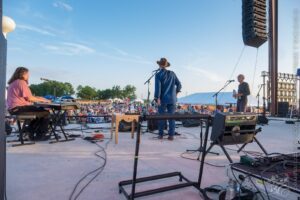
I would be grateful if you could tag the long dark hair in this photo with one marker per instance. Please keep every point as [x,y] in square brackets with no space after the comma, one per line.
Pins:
[18,74]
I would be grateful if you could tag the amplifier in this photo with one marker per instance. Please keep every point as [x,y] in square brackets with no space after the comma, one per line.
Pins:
[233,128]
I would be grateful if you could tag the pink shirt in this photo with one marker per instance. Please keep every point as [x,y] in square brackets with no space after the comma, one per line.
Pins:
[18,94]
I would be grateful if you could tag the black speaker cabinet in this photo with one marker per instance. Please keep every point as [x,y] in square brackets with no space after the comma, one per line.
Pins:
[283,109]
[254,22]
[153,125]
[233,128]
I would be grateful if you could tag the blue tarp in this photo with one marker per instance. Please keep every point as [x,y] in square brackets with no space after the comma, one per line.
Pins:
[205,98]
[66,97]
[50,97]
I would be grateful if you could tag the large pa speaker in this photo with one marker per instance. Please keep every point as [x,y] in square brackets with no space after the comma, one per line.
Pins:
[283,109]
[254,22]
[233,128]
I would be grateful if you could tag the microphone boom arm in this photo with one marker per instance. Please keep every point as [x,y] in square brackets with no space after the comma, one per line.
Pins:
[217,93]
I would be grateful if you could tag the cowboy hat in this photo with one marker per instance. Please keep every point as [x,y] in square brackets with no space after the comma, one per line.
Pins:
[163,62]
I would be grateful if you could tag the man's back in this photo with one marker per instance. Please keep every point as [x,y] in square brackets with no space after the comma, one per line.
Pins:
[167,86]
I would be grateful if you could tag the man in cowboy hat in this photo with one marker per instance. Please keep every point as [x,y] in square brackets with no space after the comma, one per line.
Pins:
[167,86]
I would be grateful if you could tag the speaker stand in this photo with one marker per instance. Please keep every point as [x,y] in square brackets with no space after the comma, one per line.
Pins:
[219,143]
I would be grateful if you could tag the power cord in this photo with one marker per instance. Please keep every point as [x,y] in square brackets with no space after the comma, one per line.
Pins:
[211,189]
[96,171]
[182,155]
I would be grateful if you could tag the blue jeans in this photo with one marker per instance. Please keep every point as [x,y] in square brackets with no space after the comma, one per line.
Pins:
[166,109]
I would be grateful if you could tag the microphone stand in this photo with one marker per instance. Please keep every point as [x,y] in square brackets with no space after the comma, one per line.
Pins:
[201,148]
[257,96]
[217,93]
[148,94]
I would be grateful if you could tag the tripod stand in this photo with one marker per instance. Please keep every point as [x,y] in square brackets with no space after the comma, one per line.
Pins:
[257,96]
[201,149]
[262,119]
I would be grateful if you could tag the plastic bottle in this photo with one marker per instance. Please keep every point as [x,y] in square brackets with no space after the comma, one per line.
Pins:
[231,190]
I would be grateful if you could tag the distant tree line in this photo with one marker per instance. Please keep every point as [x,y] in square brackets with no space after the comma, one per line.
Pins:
[87,92]
[56,88]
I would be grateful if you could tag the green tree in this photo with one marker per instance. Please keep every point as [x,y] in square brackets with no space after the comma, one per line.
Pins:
[129,92]
[69,89]
[86,92]
[104,94]
[116,92]
[52,88]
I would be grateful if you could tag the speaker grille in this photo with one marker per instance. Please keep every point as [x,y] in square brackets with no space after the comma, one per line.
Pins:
[254,22]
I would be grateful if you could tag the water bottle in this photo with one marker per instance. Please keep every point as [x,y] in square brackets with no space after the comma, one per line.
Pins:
[231,190]
[234,92]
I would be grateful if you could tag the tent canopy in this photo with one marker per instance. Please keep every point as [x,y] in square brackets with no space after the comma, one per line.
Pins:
[206,98]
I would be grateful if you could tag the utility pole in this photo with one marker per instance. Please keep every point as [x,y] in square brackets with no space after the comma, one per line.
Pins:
[273,54]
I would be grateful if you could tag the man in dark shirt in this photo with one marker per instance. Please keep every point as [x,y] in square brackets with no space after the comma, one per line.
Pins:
[167,86]
[241,95]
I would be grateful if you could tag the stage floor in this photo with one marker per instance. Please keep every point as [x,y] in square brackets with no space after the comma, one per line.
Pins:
[50,171]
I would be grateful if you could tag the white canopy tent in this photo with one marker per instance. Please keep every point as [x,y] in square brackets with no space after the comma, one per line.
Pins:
[206,98]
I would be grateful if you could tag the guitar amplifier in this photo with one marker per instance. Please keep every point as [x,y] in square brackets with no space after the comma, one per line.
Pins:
[233,128]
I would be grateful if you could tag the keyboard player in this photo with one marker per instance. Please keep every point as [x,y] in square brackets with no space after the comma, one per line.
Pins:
[20,102]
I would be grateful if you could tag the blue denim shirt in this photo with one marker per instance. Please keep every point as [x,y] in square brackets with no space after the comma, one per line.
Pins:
[167,86]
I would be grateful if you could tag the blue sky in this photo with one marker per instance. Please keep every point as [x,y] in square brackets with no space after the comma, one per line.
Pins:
[117,42]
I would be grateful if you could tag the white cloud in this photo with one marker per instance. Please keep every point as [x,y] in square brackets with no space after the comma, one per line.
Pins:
[122,55]
[125,59]
[35,29]
[120,51]
[70,49]
[205,73]
[63,6]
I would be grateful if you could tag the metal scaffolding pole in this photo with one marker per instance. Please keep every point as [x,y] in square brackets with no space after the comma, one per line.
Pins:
[273,54]
[2,110]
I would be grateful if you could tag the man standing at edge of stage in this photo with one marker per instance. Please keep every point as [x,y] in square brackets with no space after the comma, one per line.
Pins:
[167,86]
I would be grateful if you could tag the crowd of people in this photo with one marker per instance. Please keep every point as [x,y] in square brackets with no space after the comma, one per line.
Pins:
[98,112]
[101,112]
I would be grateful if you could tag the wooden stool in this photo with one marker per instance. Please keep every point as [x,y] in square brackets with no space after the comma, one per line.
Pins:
[117,118]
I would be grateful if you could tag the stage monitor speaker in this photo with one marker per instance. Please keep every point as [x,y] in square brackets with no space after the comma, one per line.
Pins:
[153,125]
[254,22]
[126,126]
[233,128]
[262,120]
[283,109]
[191,123]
